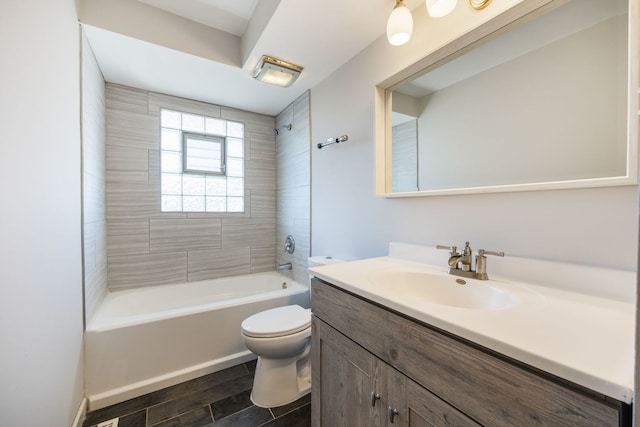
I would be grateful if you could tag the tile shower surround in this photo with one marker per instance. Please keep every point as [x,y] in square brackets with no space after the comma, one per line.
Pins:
[149,247]
[220,399]
[293,183]
[94,221]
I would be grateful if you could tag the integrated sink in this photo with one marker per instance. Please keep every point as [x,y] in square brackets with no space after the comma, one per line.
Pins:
[442,289]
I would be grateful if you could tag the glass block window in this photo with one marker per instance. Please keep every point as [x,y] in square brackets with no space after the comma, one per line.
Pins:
[203,153]
[201,163]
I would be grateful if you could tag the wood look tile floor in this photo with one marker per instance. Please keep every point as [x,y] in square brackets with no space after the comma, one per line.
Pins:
[221,398]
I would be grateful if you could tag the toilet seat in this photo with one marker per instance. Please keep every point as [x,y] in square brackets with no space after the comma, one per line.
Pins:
[277,322]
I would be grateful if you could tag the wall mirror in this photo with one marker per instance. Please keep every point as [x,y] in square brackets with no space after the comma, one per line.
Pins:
[549,103]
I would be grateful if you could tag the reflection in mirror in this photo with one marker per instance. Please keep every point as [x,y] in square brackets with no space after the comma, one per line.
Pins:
[404,152]
[544,102]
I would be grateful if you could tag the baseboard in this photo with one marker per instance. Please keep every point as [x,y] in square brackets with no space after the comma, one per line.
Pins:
[81,414]
[111,397]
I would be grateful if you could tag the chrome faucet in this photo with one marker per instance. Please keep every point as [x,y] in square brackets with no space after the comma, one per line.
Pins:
[461,264]
[285,266]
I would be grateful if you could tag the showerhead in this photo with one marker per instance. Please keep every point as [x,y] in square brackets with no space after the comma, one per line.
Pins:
[276,131]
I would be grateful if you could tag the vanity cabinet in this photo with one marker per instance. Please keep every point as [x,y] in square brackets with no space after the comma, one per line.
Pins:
[362,350]
[355,388]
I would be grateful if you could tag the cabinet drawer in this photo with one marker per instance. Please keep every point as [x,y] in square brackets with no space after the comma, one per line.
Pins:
[477,382]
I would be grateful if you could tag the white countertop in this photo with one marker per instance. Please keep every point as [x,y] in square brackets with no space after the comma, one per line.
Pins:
[583,338]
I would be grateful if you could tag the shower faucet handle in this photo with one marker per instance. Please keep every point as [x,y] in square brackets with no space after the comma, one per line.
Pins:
[289,244]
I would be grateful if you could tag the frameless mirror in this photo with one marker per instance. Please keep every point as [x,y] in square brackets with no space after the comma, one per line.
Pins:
[544,105]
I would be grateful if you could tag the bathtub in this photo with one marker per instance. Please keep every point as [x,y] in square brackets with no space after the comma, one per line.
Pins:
[145,339]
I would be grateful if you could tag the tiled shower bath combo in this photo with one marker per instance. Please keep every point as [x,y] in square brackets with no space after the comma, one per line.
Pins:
[130,243]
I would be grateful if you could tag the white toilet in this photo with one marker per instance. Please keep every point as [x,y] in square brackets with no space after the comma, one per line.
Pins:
[281,338]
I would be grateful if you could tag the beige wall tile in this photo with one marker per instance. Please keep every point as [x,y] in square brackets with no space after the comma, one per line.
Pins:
[263,203]
[127,177]
[154,167]
[261,148]
[126,98]
[293,170]
[215,263]
[132,201]
[263,258]
[133,130]
[127,165]
[130,271]
[293,202]
[240,233]
[127,237]
[127,159]
[171,235]
[253,122]
[259,176]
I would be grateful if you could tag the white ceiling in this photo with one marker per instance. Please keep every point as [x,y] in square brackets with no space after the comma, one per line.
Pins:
[229,16]
[318,35]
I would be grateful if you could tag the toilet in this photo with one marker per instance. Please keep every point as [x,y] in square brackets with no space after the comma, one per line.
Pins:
[281,338]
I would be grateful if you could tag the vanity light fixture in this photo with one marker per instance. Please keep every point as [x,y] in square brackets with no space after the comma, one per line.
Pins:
[276,71]
[440,8]
[479,4]
[399,24]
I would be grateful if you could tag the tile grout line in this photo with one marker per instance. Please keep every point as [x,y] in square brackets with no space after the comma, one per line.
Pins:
[292,410]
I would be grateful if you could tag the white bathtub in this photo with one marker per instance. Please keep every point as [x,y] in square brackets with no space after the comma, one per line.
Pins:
[145,339]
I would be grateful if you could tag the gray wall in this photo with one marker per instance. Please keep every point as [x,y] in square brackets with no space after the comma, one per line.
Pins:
[41,363]
[293,183]
[94,220]
[148,247]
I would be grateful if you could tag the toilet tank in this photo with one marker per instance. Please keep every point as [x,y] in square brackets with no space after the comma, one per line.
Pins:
[315,261]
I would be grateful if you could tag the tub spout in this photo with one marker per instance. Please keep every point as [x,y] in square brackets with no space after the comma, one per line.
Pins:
[285,266]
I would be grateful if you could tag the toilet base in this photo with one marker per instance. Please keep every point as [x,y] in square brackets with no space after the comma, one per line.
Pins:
[278,382]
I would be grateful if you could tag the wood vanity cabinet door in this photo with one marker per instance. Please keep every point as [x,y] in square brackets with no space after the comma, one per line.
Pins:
[416,406]
[344,376]
[426,410]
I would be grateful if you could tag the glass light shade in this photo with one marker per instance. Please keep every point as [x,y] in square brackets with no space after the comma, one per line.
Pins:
[399,25]
[276,77]
[276,71]
[440,8]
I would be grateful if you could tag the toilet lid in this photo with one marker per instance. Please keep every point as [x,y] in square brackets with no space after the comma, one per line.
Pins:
[277,322]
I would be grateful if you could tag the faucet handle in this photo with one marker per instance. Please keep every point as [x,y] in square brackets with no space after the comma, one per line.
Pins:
[481,263]
[453,249]
[482,252]
[467,249]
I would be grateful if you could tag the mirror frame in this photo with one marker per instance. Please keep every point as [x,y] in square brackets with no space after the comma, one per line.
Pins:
[517,15]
